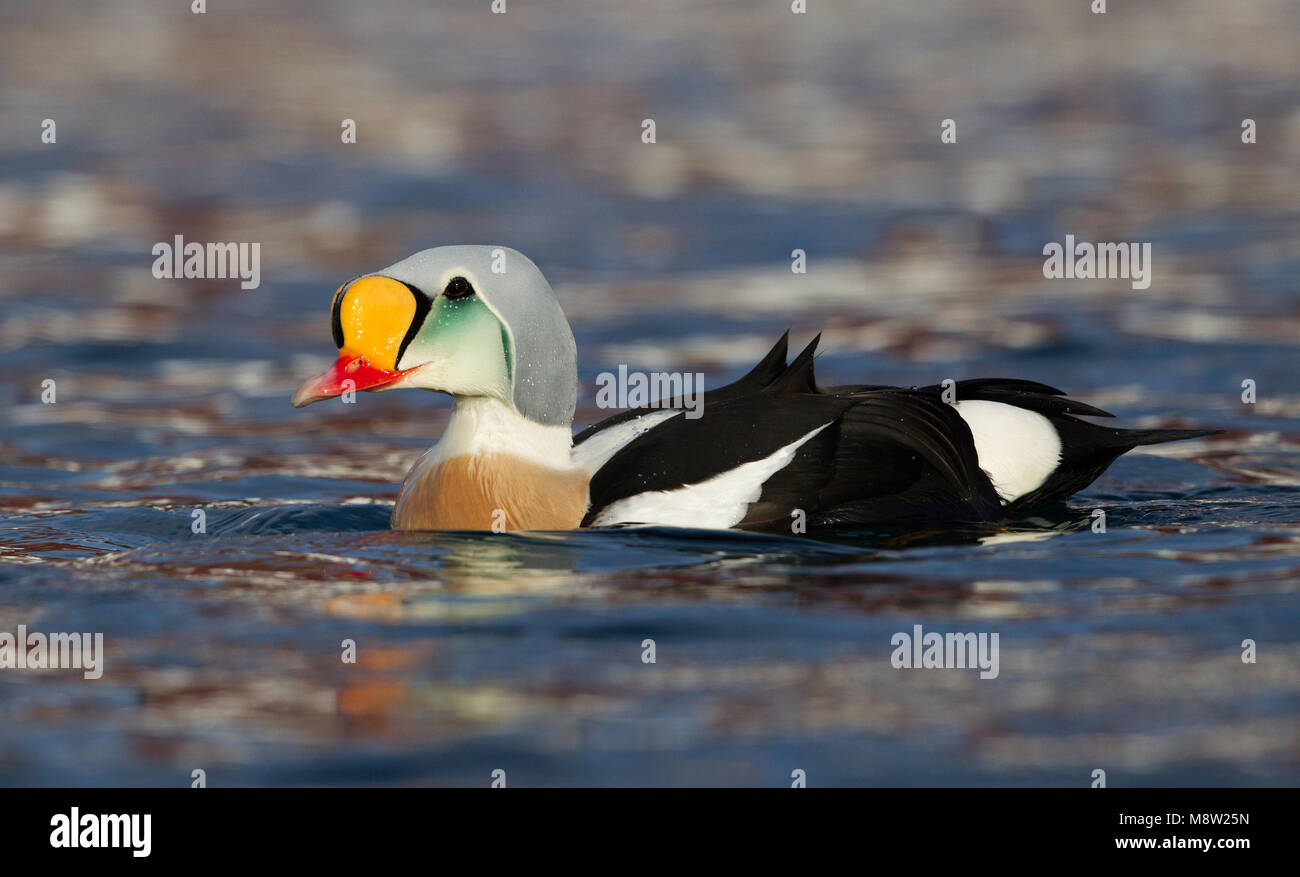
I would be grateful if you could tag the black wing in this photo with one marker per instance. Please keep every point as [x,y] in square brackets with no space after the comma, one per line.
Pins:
[886,455]
[769,369]
[883,456]
[1030,395]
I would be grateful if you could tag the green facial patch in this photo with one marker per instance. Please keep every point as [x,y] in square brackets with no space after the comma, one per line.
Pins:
[467,349]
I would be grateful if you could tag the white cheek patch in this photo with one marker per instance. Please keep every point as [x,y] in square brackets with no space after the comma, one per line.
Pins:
[718,503]
[1018,449]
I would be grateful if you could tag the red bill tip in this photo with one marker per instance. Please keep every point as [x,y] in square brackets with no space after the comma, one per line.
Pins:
[350,372]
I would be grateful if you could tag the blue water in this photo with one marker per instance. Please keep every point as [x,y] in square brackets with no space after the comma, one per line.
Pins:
[1119,650]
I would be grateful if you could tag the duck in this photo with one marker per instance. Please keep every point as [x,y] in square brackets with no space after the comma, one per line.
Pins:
[772,452]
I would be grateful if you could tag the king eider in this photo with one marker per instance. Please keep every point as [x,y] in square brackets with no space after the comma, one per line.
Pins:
[768,447]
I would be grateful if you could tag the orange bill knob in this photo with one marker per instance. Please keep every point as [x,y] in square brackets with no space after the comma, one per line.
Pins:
[371,321]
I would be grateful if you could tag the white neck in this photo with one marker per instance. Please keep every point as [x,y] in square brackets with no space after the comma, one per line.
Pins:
[484,425]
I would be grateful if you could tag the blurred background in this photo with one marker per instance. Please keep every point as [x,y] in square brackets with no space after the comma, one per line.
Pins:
[774,132]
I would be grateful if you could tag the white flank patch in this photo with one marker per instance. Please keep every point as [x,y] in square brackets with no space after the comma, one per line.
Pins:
[1017,449]
[597,450]
[719,503]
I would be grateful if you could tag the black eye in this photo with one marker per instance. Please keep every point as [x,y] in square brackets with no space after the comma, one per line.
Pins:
[458,288]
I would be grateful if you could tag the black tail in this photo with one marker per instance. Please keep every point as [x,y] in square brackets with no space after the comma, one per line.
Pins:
[1087,449]
[1137,437]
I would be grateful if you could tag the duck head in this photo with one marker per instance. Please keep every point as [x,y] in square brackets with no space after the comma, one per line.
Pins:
[470,321]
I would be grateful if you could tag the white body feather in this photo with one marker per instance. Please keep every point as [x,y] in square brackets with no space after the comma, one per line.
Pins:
[1018,449]
[720,502]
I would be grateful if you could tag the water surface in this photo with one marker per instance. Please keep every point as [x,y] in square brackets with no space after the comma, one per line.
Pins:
[523,652]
